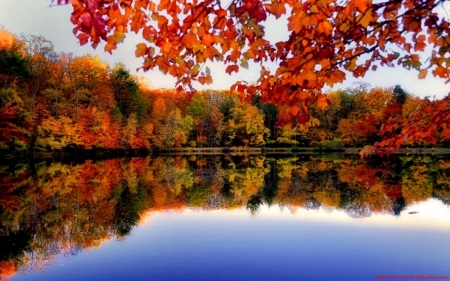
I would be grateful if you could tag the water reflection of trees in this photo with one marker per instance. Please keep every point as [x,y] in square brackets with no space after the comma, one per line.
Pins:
[52,209]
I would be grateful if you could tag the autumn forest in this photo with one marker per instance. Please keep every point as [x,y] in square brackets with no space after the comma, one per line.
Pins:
[56,102]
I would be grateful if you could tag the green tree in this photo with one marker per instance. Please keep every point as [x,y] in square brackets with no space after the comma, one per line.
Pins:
[177,128]
[126,92]
[399,94]
[13,66]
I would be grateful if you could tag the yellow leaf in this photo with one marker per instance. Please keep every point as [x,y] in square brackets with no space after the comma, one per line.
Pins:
[314,122]
[198,48]
[244,63]
[365,19]
[423,73]
[344,27]
[194,70]
[351,65]
[119,36]
[141,50]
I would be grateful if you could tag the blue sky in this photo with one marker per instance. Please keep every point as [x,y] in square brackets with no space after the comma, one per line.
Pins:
[37,18]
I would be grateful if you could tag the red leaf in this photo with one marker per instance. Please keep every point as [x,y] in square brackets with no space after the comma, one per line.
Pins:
[232,68]
[446,133]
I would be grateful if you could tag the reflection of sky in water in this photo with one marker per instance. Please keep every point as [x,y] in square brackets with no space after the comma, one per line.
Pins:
[273,245]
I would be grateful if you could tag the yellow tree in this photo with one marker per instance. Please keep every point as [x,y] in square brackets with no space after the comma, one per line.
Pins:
[89,83]
[157,116]
[247,125]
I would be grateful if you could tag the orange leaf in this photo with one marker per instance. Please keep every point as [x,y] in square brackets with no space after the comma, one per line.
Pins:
[221,13]
[423,73]
[362,5]
[294,110]
[141,50]
[208,79]
[208,39]
[189,40]
[302,95]
[296,21]
[322,102]
[311,76]
[276,8]
[147,33]
[163,5]
[325,27]
[167,46]
[415,57]
[433,38]
[440,71]
[152,7]
[420,46]
[325,63]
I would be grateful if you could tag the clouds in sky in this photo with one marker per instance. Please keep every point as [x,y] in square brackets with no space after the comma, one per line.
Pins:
[37,18]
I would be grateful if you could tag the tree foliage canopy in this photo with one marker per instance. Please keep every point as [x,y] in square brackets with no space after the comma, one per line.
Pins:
[327,38]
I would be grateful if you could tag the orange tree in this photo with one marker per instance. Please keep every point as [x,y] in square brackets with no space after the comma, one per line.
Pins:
[326,40]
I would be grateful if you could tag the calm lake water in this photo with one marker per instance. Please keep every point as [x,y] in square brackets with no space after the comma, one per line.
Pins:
[328,217]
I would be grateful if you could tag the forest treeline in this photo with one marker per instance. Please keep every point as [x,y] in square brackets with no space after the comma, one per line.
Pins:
[49,209]
[59,102]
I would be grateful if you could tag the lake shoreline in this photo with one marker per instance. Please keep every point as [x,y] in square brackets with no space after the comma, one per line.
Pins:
[294,150]
[233,151]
